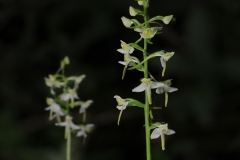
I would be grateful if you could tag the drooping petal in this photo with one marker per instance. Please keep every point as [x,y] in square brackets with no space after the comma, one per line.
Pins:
[156,133]
[160,90]
[81,133]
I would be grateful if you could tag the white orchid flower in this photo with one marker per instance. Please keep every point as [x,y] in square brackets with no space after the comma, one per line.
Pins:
[164,58]
[122,104]
[126,48]
[165,89]
[68,124]
[77,80]
[162,130]
[54,108]
[52,82]
[83,108]
[149,32]
[70,95]
[147,85]
[84,130]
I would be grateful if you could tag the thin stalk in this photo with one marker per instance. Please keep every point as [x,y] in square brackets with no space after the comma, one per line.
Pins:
[68,151]
[146,108]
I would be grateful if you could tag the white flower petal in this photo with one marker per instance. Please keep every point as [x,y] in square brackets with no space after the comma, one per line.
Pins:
[163,62]
[160,90]
[156,133]
[156,84]
[65,96]
[139,88]
[122,51]
[138,30]
[169,132]
[171,89]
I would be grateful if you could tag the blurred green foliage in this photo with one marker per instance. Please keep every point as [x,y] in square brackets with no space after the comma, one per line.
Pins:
[36,35]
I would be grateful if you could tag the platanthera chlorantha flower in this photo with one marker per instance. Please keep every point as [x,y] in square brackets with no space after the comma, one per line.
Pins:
[161,130]
[122,104]
[54,108]
[126,49]
[164,58]
[68,124]
[149,32]
[77,80]
[126,22]
[165,89]
[147,85]
[70,95]
[167,19]
[85,105]
[84,130]
[52,82]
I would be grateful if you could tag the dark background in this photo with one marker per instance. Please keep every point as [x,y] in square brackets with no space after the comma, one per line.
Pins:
[36,35]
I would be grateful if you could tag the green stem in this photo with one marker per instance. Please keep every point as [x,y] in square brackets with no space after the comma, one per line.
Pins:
[68,151]
[146,108]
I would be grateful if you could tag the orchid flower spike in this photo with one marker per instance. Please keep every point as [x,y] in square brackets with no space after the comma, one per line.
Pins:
[165,89]
[68,124]
[54,108]
[147,85]
[122,104]
[161,130]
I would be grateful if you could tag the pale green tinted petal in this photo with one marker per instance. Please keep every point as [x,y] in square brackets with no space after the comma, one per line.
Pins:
[65,96]
[132,11]
[61,124]
[140,3]
[160,90]
[126,22]
[139,88]
[169,132]
[156,133]
[131,49]
[81,133]
[168,55]
[156,84]
[171,89]
[138,29]
[156,28]
[167,19]
[163,62]
[122,62]
[73,126]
